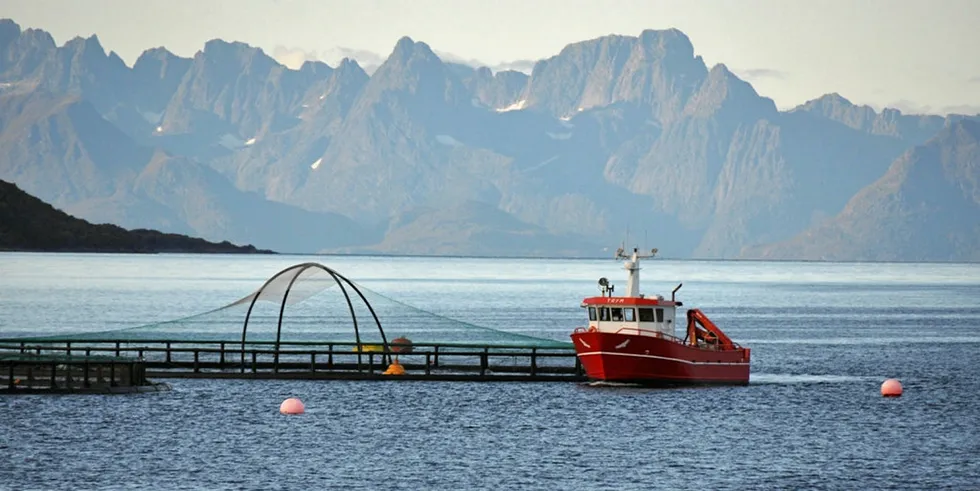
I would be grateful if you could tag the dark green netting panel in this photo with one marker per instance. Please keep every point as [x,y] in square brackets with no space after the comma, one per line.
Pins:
[315,304]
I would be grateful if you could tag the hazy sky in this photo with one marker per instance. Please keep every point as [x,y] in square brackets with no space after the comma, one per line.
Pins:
[919,55]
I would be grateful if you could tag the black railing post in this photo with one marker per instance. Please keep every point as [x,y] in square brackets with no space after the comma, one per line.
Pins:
[221,359]
[117,349]
[428,362]
[168,352]
[534,361]
[330,356]
[484,361]
[254,367]
[197,367]
[435,357]
[313,361]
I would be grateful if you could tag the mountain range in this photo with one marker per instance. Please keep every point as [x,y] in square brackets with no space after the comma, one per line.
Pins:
[614,135]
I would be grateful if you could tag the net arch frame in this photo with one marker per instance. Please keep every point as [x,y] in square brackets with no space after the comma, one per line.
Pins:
[297,270]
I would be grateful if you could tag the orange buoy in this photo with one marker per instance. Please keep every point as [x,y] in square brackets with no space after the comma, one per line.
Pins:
[292,406]
[395,368]
[891,388]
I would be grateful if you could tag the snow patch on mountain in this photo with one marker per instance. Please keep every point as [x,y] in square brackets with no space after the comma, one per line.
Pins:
[448,140]
[517,106]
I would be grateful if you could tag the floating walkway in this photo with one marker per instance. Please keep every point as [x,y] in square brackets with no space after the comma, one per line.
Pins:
[159,359]
[56,373]
[306,322]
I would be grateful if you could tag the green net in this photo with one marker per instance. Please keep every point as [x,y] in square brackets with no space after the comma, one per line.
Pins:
[316,306]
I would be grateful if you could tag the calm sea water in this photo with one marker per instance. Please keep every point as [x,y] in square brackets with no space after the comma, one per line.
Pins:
[824,337]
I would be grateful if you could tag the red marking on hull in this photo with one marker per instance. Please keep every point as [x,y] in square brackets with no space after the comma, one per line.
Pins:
[653,360]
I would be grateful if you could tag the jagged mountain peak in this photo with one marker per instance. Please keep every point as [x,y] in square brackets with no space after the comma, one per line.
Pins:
[407,49]
[9,30]
[89,51]
[315,68]
[90,43]
[657,69]
[225,51]
[888,122]
[159,53]
[404,43]
[38,36]
[723,89]
[671,39]
[350,64]
[232,59]
[349,69]
[158,66]
[409,63]
[406,46]
[721,70]
[829,101]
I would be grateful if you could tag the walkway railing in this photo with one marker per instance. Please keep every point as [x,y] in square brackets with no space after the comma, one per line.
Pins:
[322,360]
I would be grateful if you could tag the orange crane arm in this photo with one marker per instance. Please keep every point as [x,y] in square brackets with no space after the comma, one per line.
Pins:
[695,317]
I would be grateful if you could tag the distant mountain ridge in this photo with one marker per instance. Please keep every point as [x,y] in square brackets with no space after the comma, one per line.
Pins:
[610,134]
[932,191]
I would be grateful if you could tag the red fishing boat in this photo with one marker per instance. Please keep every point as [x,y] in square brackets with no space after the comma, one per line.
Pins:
[633,339]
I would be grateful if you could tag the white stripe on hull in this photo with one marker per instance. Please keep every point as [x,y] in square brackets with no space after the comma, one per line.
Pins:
[637,355]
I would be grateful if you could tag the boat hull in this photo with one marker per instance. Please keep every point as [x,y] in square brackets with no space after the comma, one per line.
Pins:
[651,360]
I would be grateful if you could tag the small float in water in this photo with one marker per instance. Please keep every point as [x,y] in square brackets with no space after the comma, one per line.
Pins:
[632,338]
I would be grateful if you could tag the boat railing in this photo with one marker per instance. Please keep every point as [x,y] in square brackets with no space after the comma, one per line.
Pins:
[662,335]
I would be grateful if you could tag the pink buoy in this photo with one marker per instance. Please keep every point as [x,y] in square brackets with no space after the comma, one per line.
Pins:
[292,406]
[891,388]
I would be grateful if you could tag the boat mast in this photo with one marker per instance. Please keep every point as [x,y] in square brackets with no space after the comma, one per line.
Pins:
[632,266]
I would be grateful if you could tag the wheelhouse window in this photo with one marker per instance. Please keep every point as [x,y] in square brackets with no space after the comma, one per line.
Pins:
[592,314]
[617,314]
[660,315]
[646,315]
[604,313]
[628,315]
